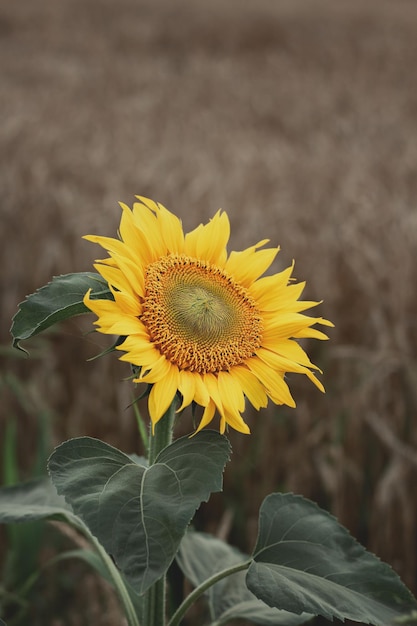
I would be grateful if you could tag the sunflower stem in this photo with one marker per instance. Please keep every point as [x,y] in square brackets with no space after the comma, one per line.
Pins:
[160,436]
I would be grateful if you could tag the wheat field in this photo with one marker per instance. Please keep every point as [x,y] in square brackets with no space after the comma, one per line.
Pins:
[297,118]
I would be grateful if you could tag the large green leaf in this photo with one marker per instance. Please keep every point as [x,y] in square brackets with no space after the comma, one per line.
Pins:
[139,513]
[201,556]
[59,300]
[304,560]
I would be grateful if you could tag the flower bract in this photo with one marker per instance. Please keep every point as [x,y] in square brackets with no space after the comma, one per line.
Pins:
[198,321]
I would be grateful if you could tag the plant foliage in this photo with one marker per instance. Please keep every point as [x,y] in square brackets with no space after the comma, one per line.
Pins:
[139,513]
[57,301]
[304,560]
[201,556]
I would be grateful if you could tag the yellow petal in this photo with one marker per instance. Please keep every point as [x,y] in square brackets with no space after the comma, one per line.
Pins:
[190,241]
[151,204]
[132,236]
[144,359]
[140,351]
[130,305]
[134,272]
[170,235]
[273,381]
[211,383]
[147,221]
[124,326]
[156,371]
[278,362]
[186,387]
[162,395]
[171,229]
[284,298]
[228,399]
[208,415]
[287,352]
[209,241]
[231,393]
[111,319]
[315,381]
[109,243]
[236,422]
[246,266]
[313,333]
[284,325]
[202,396]
[251,386]
[115,277]
[270,284]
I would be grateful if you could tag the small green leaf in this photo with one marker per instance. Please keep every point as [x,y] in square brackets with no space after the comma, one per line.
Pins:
[304,560]
[59,300]
[138,513]
[201,556]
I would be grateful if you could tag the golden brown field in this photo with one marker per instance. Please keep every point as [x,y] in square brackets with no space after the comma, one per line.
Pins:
[297,118]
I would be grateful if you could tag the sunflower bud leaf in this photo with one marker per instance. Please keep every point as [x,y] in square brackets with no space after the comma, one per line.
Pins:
[59,300]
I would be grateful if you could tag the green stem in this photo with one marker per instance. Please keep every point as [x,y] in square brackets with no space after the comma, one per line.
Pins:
[160,437]
[198,591]
[122,592]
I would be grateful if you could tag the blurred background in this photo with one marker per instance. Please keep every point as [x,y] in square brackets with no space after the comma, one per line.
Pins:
[300,120]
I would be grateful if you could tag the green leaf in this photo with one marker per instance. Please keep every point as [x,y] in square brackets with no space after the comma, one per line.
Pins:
[201,556]
[304,560]
[407,620]
[138,513]
[59,300]
[37,500]
[34,500]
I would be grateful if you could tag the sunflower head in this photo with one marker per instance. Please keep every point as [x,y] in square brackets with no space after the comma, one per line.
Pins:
[198,321]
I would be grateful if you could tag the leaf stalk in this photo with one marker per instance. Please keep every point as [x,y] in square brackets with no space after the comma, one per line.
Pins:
[198,591]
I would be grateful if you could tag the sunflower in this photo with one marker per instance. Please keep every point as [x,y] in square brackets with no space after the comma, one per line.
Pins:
[201,322]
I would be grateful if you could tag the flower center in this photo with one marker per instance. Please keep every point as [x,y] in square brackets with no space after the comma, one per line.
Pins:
[198,317]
